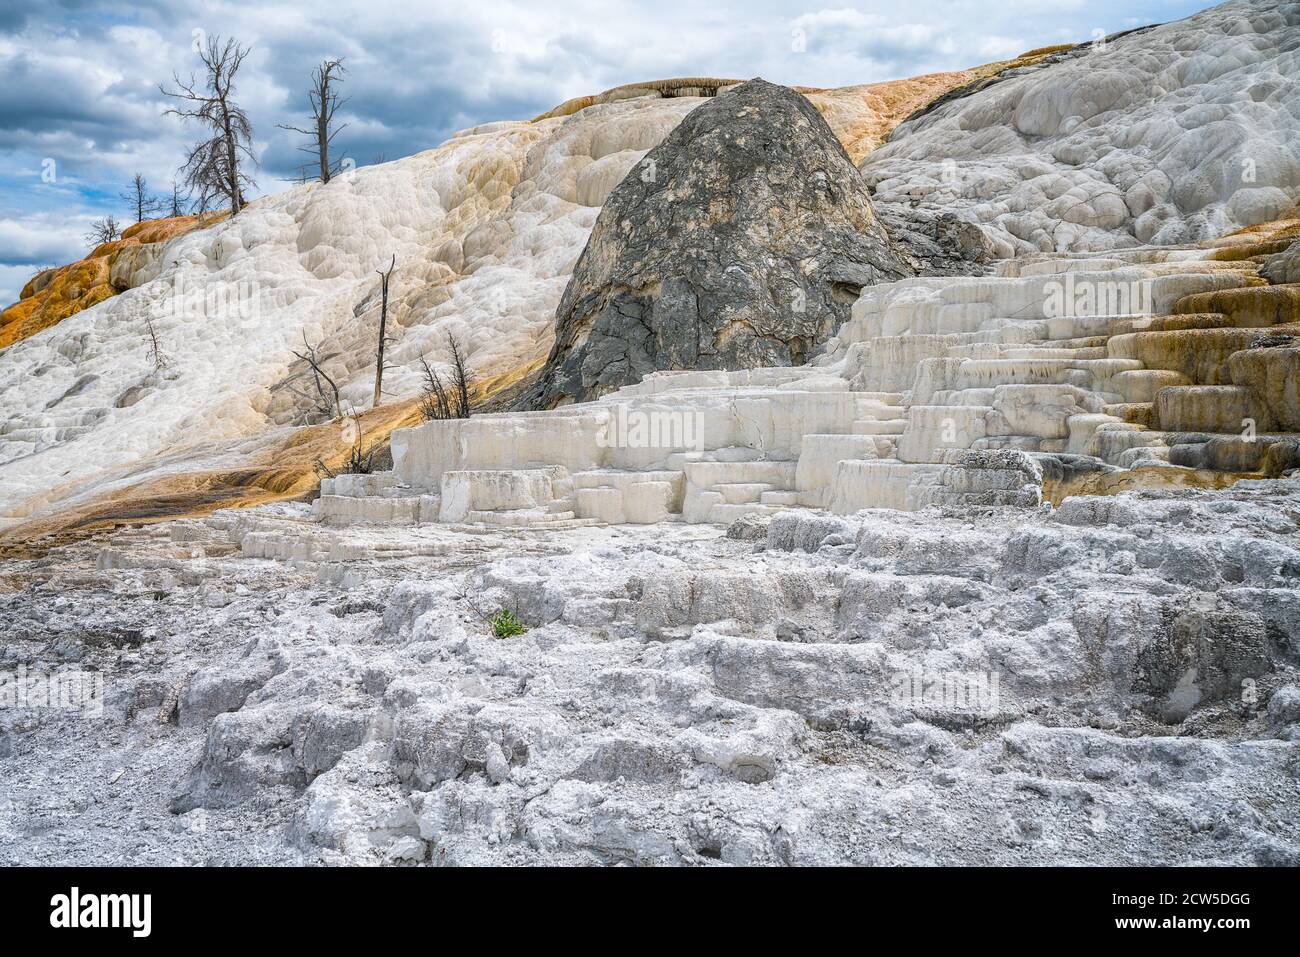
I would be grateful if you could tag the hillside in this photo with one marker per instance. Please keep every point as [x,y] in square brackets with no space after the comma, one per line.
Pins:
[485,230]
[901,474]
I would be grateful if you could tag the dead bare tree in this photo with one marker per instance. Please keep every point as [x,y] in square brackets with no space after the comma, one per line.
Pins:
[156,355]
[329,400]
[324,103]
[102,231]
[358,462]
[383,325]
[459,379]
[177,205]
[434,403]
[137,198]
[213,169]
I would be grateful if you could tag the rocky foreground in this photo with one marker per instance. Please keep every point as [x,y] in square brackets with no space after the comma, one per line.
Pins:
[1112,681]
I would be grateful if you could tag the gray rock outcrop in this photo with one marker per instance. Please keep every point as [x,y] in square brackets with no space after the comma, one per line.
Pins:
[1283,267]
[742,240]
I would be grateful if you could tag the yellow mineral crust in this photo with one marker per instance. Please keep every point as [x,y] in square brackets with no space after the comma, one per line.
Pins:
[1256,306]
[1136,479]
[53,295]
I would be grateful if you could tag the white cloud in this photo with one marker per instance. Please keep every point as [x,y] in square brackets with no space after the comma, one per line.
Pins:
[44,238]
[1001,48]
[12,280]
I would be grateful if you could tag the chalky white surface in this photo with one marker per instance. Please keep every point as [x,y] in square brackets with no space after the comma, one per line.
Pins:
[1176,134]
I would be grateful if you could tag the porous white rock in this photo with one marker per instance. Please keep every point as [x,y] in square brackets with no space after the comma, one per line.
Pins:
[1171,134]
[1103,684]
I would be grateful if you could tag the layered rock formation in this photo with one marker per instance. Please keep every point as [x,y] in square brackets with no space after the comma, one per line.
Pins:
[486,230]
[738,242]
[1172,134]
[1148,367]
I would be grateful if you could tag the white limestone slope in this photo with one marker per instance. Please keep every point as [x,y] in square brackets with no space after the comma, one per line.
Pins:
[1111,682]
[484,229]
[1170,135]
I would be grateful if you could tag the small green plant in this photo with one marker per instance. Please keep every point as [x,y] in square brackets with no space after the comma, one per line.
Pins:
[506,624]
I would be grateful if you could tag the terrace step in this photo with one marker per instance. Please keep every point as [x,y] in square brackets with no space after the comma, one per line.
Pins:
[1203,408]
[937,390]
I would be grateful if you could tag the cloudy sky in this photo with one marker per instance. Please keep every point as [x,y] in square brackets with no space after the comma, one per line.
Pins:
[80,109]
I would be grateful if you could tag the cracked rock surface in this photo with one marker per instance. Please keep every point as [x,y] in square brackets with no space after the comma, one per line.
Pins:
[1113,681]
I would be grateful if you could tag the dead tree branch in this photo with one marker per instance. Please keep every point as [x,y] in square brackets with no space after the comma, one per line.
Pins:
[177,205]
[330,404]
[383,325]
[138,199]
[358,462]
[155,351]
[460,379]
[104,230]
[212,169]
[324,103]
[434,403]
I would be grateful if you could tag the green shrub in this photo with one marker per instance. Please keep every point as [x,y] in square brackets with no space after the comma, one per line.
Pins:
[506,624]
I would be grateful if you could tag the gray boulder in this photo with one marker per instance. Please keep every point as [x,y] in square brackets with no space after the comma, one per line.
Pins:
[742,240]
[1283,267]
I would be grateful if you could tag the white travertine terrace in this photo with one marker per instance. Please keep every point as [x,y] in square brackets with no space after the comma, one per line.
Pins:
[937,391]
[485,230]
[1113,680]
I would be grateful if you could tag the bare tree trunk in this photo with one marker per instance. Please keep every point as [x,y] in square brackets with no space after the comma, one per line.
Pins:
[383,325]
[322,137]
[142,204]
[176,209]
[155,350]
[433,397]
[461,378]
[324,102]
[232,163]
